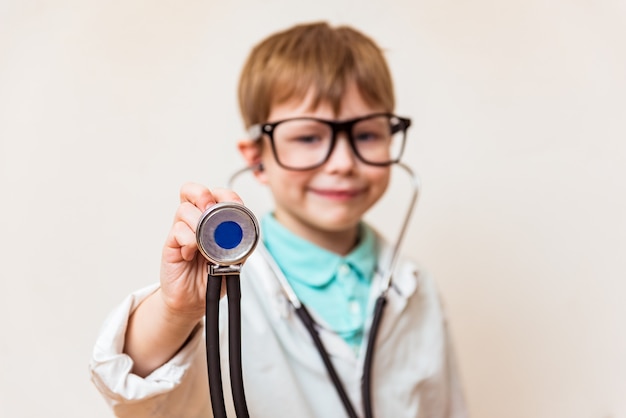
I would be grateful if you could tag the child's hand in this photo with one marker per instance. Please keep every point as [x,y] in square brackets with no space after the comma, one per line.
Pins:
[183,268]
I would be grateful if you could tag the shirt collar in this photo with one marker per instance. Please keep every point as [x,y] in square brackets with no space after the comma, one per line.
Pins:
[312,265]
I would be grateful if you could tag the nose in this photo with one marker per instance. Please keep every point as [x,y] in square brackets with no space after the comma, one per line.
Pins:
[341,158]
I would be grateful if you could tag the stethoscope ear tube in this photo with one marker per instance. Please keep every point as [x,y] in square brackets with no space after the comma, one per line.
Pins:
[381,301]
[366,383]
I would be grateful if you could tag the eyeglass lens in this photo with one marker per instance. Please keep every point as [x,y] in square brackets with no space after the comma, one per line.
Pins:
[303,143]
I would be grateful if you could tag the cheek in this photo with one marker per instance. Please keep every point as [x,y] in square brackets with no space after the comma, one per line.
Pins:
[284,182]
[380,178]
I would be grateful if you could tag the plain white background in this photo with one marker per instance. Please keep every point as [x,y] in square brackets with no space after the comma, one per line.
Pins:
[107,107]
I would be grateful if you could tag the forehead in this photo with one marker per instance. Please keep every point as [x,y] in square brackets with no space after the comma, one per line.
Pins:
[350,104]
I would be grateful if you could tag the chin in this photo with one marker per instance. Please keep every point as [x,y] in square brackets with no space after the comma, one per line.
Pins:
[340,224]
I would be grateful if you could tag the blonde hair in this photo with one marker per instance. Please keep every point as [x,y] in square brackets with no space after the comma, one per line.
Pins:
[289,63]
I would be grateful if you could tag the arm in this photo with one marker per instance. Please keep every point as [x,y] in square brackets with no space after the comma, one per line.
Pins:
[178,388]
[155,334]
[159,327]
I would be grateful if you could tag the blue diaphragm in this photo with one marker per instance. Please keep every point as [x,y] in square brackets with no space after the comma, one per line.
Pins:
[227,233]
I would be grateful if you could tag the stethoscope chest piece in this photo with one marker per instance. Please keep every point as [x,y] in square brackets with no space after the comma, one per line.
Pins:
[227,233]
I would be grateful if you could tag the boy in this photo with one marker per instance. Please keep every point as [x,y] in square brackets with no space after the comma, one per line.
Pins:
[296,85]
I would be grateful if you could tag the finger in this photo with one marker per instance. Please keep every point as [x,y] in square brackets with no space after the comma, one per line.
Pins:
[197,194]
[226,195]
[188,213]
[180,244]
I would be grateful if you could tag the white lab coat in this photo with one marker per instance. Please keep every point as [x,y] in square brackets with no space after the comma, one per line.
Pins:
[414,373]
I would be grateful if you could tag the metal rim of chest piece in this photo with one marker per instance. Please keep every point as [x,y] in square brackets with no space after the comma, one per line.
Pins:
[227,233]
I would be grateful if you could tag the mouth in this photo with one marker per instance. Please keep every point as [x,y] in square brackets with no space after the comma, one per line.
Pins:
[337,194]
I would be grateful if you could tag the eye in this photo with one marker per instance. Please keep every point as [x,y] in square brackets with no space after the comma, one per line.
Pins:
[368,136]
[307,139]
[301,132]
[372,130]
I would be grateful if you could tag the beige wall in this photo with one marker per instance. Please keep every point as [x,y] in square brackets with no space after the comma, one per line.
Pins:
[519,138]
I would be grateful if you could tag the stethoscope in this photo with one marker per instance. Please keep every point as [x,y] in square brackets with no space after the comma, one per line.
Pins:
[227,233]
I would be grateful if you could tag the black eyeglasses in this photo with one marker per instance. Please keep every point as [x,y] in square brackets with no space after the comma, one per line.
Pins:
[306,143]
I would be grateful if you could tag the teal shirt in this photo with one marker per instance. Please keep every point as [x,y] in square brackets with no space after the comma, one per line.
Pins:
[335,287]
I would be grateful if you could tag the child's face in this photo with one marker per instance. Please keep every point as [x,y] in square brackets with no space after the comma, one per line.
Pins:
[329,199]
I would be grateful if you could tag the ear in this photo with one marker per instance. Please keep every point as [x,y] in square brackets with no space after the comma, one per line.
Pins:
[252,153]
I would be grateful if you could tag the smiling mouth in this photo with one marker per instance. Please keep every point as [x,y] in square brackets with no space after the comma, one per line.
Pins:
[337,194]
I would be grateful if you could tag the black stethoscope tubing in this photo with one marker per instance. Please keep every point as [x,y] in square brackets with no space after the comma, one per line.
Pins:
[366,383]
[379,307]
[233,294]
[212,335]
[310,325]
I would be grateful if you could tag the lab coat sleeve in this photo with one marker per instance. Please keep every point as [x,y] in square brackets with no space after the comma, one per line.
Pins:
[178,388]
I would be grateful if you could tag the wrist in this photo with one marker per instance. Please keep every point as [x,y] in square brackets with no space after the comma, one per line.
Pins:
[176,319]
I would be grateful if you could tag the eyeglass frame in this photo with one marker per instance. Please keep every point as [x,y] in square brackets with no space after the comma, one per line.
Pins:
[256,132]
